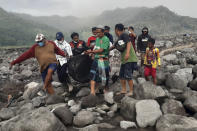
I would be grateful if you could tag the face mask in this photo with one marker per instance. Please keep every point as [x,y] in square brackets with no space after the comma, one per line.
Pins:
[75,42]
[129,32]
[60,42]
[41,44]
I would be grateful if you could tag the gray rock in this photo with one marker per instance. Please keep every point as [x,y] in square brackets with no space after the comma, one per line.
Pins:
[148,90]
[127,108]
[38,101]
[169,44]
[71,103]
[170,58]
[194,71]
[141,80]
[109,97]
[105,126]
[26,73]
[89,101]
[90,128]
[26,108]
[180,79]
[31,90]
[172,122]
[127,124]
[191,103]
[6,114]
[161,77]
[172,68]
[76,108]
[54,99]
[56,84]
[64,115]
[83,92]
[37,120]
[193,84]
[114,107]
[111,114]
[83,118]
[148,111]
[173,107]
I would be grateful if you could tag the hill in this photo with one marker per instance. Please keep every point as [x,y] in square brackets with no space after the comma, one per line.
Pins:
[21,28]
[17,31]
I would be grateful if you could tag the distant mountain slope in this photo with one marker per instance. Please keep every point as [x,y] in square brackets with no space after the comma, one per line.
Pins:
[17,31]
[21,28]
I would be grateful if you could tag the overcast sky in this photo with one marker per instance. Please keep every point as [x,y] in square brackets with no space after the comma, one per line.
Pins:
[83,8]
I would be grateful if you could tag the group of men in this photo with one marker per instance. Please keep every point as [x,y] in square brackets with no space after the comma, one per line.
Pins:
[53,55]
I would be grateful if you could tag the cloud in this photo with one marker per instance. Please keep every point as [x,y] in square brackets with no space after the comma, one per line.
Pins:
[92,7]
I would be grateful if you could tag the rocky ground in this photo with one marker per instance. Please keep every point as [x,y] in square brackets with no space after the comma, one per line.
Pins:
[169,106]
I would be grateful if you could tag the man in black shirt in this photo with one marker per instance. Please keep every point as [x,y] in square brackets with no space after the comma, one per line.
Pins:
[142,43]
[107,30]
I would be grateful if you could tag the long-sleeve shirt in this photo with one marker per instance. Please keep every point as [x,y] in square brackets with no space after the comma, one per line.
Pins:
[142,42]
[45,55]
[66,48]
[152,57]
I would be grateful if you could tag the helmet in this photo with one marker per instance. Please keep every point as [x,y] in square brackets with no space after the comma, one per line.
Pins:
[59,35]
[39,37]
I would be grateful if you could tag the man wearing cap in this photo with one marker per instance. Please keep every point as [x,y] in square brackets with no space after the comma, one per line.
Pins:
[142,43]
[44,51]
[100,67]
[62,66]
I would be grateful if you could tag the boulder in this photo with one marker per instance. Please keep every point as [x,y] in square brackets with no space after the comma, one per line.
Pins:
[31,90]
[75,108]
[37,120]
[194,71]
[25,108]
[172,122]
[180,79]
[83,118]
[64,115]
[161,77]
[109,97]
[127,108]
[90,128]
[127,124]
[191,103]
[83,92]
[148,112]
[148,90]
[173,107]
[89,101]
[26,73]
[38,101]
[141,80]
[54,99]
[169,44]
[170,58]
[193,84]
[6,113]
[172,68]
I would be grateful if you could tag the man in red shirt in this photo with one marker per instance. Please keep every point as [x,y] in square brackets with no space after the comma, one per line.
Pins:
[92,40]
[44,51]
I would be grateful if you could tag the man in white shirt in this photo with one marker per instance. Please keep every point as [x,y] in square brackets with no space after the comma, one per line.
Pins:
[62,67]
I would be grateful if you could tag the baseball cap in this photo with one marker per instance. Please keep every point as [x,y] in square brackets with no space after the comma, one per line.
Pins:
[39,37]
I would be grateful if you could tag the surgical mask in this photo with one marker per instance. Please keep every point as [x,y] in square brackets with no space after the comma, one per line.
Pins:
[129,32]
[41,44]
[75,42]
[60,42]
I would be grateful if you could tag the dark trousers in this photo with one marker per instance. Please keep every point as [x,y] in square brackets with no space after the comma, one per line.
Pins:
[62,73]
